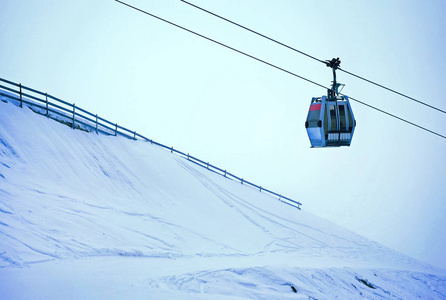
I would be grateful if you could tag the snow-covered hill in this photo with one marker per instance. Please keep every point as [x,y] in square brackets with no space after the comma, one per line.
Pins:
[87,216]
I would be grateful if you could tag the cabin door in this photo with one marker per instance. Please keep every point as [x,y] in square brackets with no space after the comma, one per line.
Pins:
[333,121]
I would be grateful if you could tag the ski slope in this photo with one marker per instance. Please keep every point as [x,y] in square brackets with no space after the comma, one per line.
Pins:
[87,216]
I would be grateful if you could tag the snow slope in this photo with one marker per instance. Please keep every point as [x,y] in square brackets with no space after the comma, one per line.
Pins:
[98,217]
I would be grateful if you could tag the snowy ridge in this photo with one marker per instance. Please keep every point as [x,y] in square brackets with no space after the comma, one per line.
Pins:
[78,118]
[89,208]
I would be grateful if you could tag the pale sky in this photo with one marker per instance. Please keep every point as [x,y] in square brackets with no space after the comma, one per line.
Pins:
[248,118]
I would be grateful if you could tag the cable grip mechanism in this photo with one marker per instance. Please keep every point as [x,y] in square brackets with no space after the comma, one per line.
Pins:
[334,65]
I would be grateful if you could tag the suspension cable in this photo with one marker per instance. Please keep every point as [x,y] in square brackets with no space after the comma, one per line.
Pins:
[396,117]
[317,59]
[391,90]
[274,66]
[255,32]
[221,44]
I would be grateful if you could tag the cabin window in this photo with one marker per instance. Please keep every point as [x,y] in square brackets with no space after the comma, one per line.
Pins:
[314,115]
[332,109]
[326,125]
[343,123]
[351,121]
[313,118]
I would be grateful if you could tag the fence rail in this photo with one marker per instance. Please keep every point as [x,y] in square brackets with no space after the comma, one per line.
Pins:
[79,118]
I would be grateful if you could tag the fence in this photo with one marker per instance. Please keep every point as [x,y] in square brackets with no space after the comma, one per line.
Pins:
[78,118]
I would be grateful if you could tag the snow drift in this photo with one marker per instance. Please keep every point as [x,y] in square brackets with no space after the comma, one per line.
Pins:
[93,216]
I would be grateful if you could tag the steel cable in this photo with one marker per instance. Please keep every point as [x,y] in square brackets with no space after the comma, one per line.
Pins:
[310,56]
[274,66]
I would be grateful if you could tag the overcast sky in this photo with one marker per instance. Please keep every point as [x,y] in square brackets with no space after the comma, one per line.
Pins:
[248,118]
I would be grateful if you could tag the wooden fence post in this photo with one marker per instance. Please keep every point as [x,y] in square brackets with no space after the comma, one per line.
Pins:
[96,123]
[260,189]
[74,112]
[134,135]
[225,173]
[116,129]
[20,88]
[242,180]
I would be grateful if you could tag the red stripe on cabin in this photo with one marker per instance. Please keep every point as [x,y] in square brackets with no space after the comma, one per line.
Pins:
[315,107]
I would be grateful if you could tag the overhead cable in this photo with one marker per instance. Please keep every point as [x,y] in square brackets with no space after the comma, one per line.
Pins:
[396,117]
[221,44]
[391,90]
[310,56]
[255,32]
[272,65]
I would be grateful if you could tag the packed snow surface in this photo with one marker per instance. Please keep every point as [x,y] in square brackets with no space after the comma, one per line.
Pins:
[87,216]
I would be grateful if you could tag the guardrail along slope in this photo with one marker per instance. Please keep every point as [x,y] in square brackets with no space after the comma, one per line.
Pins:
[79,118]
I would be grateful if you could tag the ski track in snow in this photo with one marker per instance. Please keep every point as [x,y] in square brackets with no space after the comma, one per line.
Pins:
[270,283]
[100,206]
[235,202]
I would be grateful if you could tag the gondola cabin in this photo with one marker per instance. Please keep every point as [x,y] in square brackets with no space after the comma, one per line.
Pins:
[330,122]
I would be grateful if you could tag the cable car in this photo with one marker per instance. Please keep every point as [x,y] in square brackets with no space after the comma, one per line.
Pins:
[330,121]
